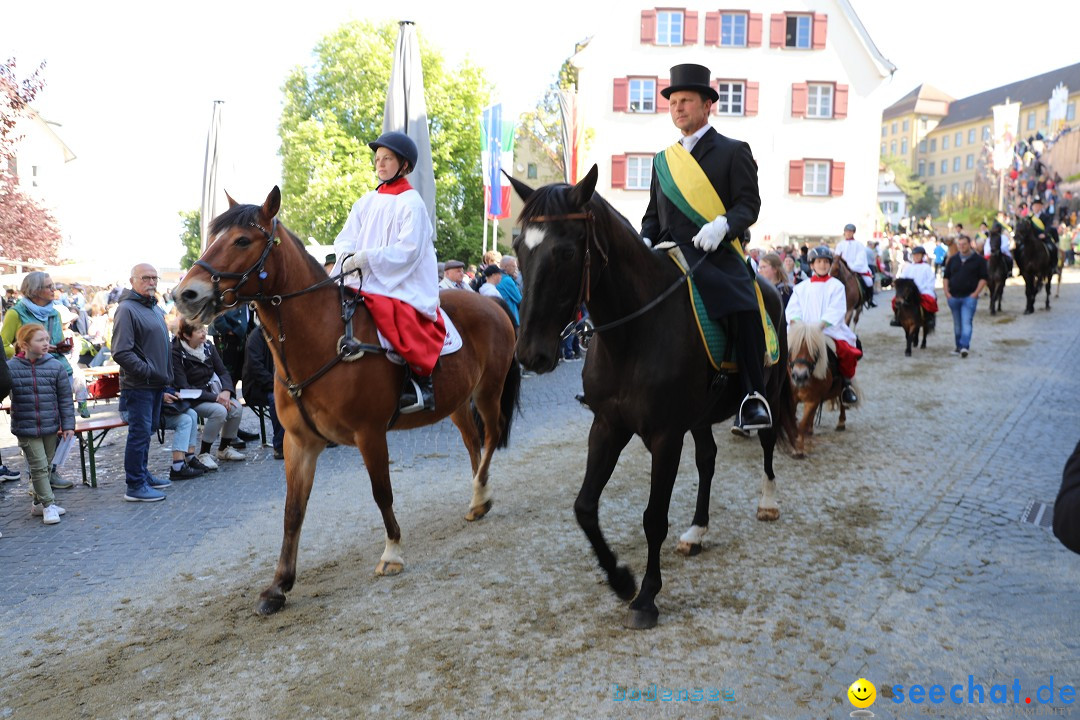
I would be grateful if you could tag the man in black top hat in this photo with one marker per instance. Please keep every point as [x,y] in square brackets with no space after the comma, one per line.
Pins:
[725,282]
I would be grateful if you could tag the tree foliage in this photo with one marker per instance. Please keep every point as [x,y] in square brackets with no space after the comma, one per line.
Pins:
[189,237]
[334,108]
[543,125]
[921,198]
[27,230]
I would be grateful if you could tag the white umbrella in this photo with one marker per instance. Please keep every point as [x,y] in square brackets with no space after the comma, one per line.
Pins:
[212,204]
[406,111]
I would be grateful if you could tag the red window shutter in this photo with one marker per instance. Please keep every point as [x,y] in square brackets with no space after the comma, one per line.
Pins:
[750,101]
[715,84]
[777,30]
[618,171]
[753,30]
[795,176]
[821,23]
[648,27]
[840,101]
[620,95]
[798,99]
[690,28]
[712,28]
[661,101]
[836,179]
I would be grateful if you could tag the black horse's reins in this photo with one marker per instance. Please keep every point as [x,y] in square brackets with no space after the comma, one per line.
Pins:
[257,268]
[585,330]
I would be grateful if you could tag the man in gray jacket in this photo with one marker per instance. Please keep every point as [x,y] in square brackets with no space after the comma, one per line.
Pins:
[140,346]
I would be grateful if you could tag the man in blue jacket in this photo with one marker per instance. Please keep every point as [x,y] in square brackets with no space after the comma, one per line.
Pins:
[140,346]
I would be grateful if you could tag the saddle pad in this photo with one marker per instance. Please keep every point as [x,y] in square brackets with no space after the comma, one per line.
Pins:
[451,344]
[712,333]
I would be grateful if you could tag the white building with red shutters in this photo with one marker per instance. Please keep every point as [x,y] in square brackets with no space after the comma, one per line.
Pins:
[800,80]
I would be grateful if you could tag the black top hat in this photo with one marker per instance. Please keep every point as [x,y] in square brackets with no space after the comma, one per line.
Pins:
[689,76]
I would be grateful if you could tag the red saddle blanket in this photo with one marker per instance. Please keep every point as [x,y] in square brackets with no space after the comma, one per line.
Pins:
[414,337]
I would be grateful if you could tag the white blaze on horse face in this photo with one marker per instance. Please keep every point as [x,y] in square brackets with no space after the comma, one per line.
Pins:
[534,236]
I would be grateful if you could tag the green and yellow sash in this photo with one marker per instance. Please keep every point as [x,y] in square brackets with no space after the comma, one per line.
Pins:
[685,184]
[1037,222]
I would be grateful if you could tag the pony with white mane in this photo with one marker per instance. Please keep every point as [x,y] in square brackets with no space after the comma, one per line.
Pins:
[815,377]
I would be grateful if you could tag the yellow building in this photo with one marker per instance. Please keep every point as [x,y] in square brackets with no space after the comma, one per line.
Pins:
[947,141]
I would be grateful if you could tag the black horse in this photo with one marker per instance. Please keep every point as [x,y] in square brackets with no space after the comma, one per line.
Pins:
[998,271]
[909,311]
[1037,262]
[646,373]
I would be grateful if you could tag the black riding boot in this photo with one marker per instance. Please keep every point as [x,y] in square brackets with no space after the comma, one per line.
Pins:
[895,322]
[847,395]
[870,296]
[411,401]
[754,412]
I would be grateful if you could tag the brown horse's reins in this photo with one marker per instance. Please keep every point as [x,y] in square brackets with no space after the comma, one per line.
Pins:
[257,269]
[585,330]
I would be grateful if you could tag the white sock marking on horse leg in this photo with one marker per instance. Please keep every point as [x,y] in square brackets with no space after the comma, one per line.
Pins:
[534,236]
[767,500]
[480,493]
[694,535]
[392,553]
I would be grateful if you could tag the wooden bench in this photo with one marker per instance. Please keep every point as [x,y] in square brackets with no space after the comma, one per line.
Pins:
[91,434]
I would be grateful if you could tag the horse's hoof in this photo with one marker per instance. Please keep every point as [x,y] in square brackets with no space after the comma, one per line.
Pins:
[907,353]
[768,514]
[478,512]
[688,549]
[641,619]
[270,604]
[799,454]
[386,567]
[841,428]
[623,583]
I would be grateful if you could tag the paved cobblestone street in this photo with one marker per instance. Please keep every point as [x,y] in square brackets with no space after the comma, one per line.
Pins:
[900,556]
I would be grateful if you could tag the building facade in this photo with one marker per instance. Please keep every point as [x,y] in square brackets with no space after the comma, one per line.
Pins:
[799,81]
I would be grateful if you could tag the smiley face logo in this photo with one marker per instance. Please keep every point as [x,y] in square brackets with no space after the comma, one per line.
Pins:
[862,693]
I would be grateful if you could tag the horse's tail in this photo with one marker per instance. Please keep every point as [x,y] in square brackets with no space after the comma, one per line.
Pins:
[782,399]
[510,400]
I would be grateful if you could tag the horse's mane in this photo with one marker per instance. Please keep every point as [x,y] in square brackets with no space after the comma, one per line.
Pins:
[816,341]
[245,215]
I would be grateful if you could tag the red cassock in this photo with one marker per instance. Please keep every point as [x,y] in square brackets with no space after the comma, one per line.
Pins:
[413,336]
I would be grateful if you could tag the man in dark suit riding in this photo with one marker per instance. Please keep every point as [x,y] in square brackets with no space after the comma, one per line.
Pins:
[704,191]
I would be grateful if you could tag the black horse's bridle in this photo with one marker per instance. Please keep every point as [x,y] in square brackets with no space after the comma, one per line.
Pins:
[584,330]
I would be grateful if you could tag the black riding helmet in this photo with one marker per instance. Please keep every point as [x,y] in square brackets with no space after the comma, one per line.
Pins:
[401,145]
[821,251]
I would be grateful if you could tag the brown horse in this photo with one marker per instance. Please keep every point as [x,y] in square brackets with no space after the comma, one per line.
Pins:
[815,377]
[253,258]
[997,271]
[910,312]
[853,290]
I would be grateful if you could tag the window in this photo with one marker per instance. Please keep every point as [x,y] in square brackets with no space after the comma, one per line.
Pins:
[931,170]
[956,164]
[642,95]
[892,148]
[922,146]
[922,123]
[956,189]
[969,187]
[733,30]
[1031,121]
[971,136]
[903,146]
[638,172]
[815,178]
[797,31]
[883,149]
[884,130]
[893,129]
[944,142]
[959,139]
[669,27]
[933,144]
[905,125]
[986,132]
[819,103]
[969,161]
[944,166]
[1070,112]
[889,206]
[531,172]
[731,98]
[922,168]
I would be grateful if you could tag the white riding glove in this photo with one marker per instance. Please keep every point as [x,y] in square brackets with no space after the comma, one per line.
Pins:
[711,234]
[356,261]
[647,241]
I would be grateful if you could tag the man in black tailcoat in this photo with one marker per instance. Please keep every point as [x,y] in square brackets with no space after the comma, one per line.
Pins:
[724,280]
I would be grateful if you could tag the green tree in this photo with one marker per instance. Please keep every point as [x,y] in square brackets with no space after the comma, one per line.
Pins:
[189,237]
[335,106]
